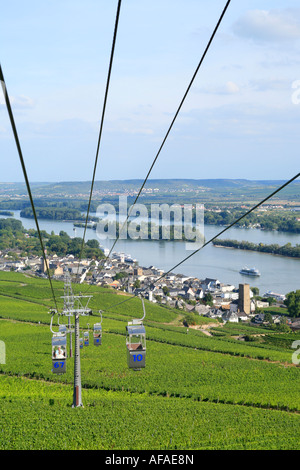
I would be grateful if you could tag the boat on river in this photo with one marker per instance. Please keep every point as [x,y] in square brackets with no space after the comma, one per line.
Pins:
[250,272]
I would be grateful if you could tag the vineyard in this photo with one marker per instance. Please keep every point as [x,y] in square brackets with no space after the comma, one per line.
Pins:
[196,391]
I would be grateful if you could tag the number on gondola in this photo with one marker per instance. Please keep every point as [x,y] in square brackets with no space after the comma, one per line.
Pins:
[59,353]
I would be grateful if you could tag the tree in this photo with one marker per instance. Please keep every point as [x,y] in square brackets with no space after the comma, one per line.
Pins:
[166,290]
[268,317]
[120,275]
[93,243]
[255,290]
[189,319]
[292,302]
[270,300]
[208,299]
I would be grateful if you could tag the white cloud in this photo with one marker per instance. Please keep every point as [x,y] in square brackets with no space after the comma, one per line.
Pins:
[270,84]
[228,88]
[232,87]
[22,102]
[142,131]
[269,25]
[18,102]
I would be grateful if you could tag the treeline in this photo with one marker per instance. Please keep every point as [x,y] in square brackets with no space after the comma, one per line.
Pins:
[7,213]
[285,250]
[80,204]
[63,245]
[55,213]
[146,231]
[280,222]
[71,210]
[11,234]
[284,222]
[50,208]
[14,237]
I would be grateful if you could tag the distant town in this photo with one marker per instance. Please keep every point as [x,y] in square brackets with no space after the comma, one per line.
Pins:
[225,202]
[206,297]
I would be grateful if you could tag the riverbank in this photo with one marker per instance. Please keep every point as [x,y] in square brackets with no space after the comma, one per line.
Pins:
[272,254]
[278,273]
[287,250]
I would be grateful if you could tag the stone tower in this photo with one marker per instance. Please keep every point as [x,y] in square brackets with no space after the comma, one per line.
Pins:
[244,298]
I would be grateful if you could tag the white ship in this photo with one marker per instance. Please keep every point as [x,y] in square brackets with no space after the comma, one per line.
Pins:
[250,272]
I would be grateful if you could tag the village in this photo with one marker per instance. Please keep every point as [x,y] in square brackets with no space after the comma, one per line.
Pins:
[207,297]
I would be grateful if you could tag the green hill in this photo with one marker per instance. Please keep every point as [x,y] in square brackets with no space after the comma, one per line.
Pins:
[196,391]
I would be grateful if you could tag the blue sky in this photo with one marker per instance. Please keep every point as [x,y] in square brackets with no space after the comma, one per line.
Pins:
[240,119]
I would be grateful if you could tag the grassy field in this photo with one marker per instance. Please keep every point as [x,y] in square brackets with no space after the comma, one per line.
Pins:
[196,391]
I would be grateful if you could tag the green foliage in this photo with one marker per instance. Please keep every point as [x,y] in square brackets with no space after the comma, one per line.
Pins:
[205,392]
[112,420]
[13,235]
[55,213]
[293,303]
[249,338]
[202,374]
[7,213]
[165,290]
[275,249]
[120,275]
[286,222]
[255,291]
[189,319]
[208,299]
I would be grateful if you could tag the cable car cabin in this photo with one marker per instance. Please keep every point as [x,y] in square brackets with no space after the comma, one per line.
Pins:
[97,334]
[136,345]
[86,338]
[59,353]
[81,343]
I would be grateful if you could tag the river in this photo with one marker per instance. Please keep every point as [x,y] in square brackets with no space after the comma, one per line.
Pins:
[278,274]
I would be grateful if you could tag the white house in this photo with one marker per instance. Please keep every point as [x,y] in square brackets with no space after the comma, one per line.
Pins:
[261,304]
[210,284]
[243,316]
[231,317]
[227,287]
[230,295]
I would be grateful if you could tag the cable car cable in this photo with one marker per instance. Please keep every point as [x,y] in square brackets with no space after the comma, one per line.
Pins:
[104,260]
[101,127]
[213,238]
[231,225]
[12,121]
[173,121]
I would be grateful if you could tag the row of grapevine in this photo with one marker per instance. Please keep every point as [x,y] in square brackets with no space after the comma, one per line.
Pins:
[113,420]
[170,370]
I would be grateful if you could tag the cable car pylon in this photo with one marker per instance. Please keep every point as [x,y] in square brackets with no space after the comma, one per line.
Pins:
[75,306]
[68,303]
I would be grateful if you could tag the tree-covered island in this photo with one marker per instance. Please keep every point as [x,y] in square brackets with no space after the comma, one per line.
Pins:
[274,249]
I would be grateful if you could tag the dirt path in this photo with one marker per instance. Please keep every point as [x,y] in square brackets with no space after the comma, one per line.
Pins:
[204,328]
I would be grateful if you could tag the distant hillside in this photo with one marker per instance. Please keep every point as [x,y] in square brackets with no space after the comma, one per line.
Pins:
[164,190]
[75,186]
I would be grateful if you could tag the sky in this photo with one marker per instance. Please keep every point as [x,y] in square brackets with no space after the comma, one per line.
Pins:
[240,118]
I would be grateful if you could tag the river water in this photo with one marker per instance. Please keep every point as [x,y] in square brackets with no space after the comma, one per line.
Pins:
[278,274]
